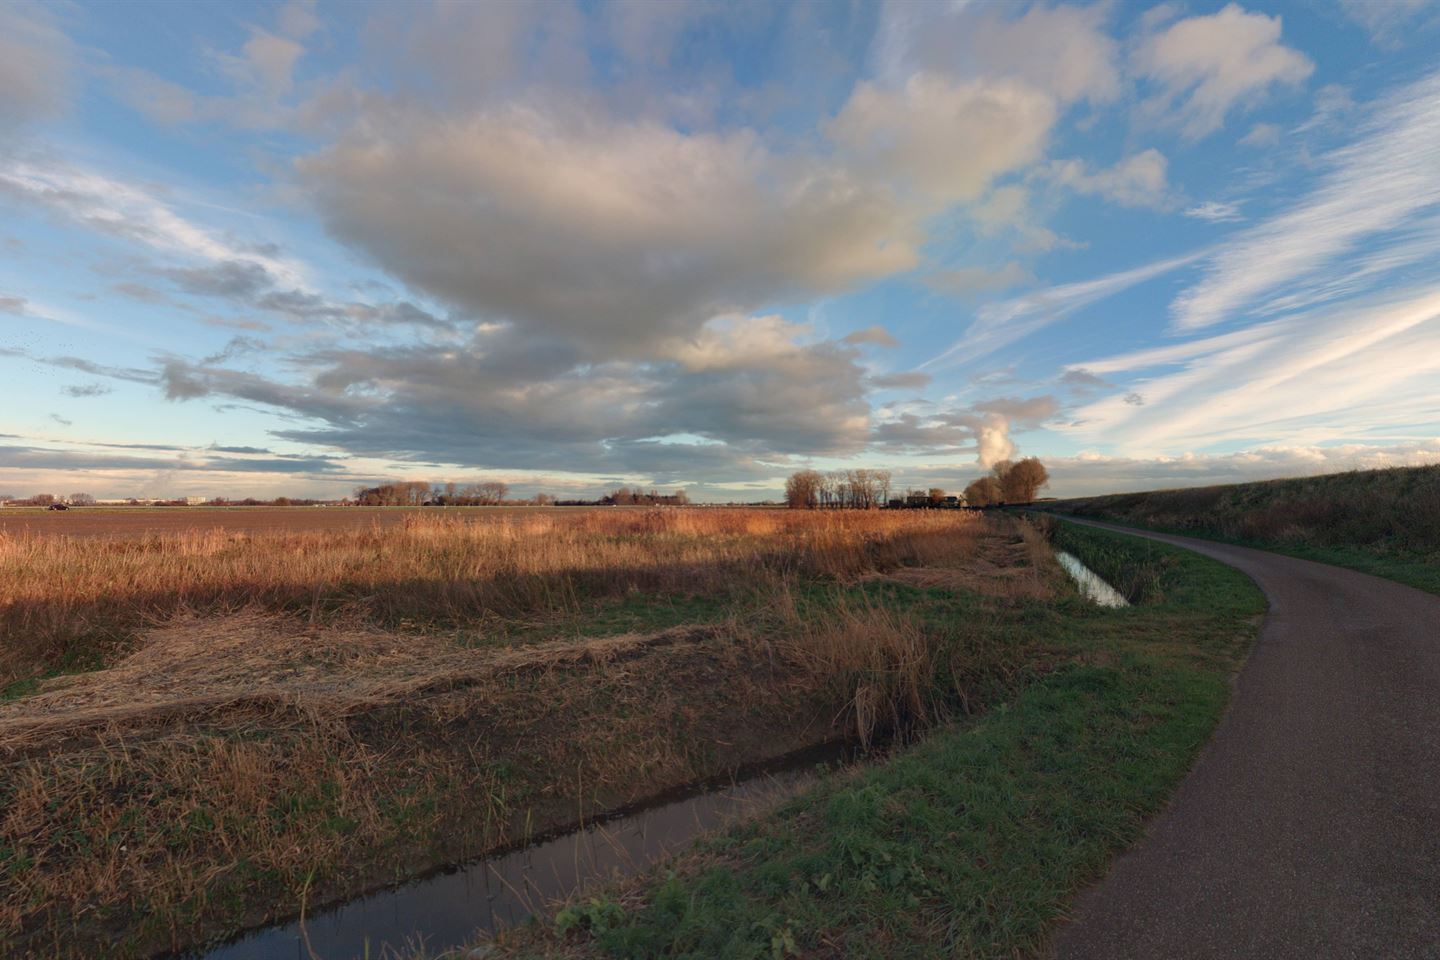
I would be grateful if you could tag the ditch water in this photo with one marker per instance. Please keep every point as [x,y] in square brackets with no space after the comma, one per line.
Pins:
[450,908]
[1089,582]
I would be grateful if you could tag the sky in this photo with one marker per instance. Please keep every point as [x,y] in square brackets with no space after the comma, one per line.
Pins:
[291,248]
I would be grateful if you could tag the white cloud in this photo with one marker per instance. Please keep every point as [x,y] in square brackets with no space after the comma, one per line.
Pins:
[128,210]
[1136,181]
[1061,50]
[1003,323]
[1386,20]
[1205,66]
[947,139]
[1355,372]
[965,281]
[1261,135]
[1376,185]
[1216,211]
[611,234]
[35,63]
[1092,474]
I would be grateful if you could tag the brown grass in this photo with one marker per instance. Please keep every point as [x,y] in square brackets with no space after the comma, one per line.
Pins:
[269,719]
[71,602]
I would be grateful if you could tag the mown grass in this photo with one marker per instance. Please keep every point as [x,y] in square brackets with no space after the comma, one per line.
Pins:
[1381,522]
[972,843]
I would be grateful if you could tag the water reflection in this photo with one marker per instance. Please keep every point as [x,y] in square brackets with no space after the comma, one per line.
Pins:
[449,909]
[1089,582]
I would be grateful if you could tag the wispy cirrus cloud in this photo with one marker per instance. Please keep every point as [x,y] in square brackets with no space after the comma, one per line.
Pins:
[1356,371]
[1374,188]
[1000,324]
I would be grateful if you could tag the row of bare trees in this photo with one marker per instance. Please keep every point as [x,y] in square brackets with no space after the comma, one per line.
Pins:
[842,489]
[1007,482]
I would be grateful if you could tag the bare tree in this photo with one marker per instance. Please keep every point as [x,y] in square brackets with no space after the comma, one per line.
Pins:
[983,492]
[1023,480]
[802,490]
[82,499]
[936,496]
[493,492]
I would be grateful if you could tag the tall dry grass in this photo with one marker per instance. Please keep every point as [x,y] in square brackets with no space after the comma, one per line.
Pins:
[69,602]
[1391,510]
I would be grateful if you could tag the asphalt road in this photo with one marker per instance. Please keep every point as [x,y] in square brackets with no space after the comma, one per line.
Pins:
[1310,825]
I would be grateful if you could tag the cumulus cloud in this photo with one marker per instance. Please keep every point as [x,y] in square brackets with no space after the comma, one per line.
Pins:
[1061,50]
[742,388]
[875,335]
[966,281]
[1136,181]
[983,428]
[617,236]
[945,138]
[1206,66]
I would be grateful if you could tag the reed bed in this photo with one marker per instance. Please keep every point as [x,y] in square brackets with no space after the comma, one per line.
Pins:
[69,603]
[285,733]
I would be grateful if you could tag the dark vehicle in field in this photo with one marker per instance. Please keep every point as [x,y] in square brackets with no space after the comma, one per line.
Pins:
[58,506]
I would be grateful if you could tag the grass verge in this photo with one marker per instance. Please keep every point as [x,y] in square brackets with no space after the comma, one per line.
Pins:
[972,843]
[1382,522]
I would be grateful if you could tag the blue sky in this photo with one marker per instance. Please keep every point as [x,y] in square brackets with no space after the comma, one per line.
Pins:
[291,248]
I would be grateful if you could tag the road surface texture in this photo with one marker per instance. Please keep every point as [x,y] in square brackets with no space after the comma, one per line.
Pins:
[1310,825]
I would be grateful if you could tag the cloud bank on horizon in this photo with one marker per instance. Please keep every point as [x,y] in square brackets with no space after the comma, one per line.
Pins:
[291,247]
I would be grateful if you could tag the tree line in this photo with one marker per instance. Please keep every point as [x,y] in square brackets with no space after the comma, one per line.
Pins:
[1007,482]
[840,490]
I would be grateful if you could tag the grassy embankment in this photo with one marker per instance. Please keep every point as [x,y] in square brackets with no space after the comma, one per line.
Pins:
[972,843]
[270,717]
[1382,522]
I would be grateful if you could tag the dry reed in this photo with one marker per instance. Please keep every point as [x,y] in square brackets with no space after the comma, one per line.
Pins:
[70,603]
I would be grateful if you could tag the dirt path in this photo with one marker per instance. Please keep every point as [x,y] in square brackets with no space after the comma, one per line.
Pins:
[1310,826]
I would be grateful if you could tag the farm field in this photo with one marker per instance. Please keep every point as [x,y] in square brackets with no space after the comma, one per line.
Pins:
[124,522]
[206,730]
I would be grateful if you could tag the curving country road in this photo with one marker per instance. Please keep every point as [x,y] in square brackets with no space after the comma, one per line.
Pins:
[1310,825]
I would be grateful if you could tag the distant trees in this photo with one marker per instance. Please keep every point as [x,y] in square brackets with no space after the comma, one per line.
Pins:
[403,493]
[841,490]
[1008,482]
[1021,482]
[82,499]
[42,499]
[802,490]
[983,492]
[625,497]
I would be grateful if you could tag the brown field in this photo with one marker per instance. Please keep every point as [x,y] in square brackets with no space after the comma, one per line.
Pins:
[125,522]
[204,726]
